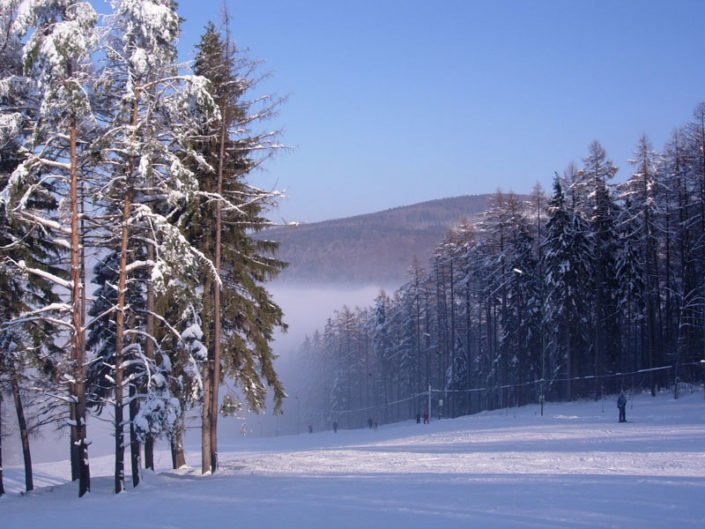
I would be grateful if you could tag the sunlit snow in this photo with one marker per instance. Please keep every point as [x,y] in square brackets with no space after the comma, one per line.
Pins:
[575,467]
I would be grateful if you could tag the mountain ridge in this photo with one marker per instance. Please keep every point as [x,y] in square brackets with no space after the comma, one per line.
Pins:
[370,248]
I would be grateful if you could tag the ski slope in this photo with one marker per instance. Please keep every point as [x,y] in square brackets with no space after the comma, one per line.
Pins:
[575,467]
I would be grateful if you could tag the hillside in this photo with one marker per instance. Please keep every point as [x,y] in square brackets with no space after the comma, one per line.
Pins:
[371,248]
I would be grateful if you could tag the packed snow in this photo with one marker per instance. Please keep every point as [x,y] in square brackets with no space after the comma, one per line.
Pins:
[575,467]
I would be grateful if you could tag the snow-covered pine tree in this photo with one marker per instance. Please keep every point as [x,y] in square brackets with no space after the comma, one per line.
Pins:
[684,240]
[567,261]
[383,350]
[152,116]
[522,327]
[638,265]
[599,170]
[58,39]
[695,135]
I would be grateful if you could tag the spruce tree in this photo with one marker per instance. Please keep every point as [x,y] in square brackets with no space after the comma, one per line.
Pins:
[599,170]
[243,314]
[567,272]
[59,38]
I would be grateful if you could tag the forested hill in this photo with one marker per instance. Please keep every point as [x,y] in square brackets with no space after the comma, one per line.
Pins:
[372,248]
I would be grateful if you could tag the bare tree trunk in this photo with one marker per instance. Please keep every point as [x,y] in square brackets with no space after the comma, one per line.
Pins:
[78,384]
[206,416]
[149,351]
[215,381]
[2,482]
[24,432]
[120,317]
[135,445]
[74,450]
[178,458]
[119,339]
[149,452]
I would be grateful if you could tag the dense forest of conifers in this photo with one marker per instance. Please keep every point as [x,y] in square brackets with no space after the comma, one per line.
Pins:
[590,289]
[130,284]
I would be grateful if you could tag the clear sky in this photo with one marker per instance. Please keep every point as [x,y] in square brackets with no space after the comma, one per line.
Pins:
[392,102]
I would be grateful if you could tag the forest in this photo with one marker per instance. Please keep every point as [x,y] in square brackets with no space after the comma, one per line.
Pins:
[594,288]
[131,285]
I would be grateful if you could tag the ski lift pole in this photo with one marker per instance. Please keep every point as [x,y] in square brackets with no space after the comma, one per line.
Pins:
[429,403]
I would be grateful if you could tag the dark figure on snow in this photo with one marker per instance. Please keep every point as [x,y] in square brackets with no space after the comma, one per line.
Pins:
[425,416]
[310,429]
[335,426]
[369,422]
[418,418]
[622,405]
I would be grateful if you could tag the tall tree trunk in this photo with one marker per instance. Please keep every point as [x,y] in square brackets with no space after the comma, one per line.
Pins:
[120,317]
[215,382]
[74,450]
[149,351]
[78,384]
[24,432]
[178,458]
[2,481]
[206,416]
[135,445]
[119,340]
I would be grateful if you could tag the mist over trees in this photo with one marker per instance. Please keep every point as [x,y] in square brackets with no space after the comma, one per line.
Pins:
[120,168]
[594,288]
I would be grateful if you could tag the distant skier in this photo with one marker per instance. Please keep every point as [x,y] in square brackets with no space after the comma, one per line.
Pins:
[622,405]
[425,416]
[335,426]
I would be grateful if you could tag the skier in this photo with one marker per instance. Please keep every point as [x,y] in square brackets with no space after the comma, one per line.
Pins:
[425,416]
[622,405]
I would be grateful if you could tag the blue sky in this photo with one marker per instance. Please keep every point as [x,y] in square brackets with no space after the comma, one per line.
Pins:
[392,102]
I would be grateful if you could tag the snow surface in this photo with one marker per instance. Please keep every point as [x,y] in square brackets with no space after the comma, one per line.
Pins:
[575,467]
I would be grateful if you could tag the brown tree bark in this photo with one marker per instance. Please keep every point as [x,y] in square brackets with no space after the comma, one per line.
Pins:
[78,384]
[215,386]
[149,351]
[2,482]
[24,432]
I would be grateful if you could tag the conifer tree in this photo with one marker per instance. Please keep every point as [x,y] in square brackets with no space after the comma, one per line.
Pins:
[567,270]
[243,314]
[152,115]
[59,38]
[598,171]
[638,266]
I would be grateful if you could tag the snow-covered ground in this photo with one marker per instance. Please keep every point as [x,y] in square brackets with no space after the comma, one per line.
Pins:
[575,467]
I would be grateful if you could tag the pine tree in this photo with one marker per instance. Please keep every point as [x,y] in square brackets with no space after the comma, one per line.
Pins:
[152,116]
[59,38]
[638,267]
[243,314]
[567,272]
[598,171]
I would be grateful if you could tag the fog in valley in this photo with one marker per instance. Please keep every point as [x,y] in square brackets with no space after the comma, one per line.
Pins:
[306,309]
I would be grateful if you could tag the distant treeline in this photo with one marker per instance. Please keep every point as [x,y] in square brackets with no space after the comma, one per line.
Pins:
[557,297]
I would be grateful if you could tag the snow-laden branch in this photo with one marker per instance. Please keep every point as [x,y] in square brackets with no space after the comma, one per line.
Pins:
[21,265]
